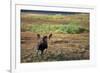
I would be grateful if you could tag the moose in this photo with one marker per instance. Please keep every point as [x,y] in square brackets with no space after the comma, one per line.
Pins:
[42,43]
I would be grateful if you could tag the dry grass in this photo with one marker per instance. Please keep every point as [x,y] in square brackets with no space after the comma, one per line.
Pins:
[61,47]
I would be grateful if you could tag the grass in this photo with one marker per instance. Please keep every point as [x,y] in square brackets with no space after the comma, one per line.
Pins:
[45,28]
[44,23]
[71,54]
[81,19]
[61,47]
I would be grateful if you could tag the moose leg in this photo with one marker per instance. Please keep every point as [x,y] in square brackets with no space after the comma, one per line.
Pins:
[45,51]
[42,52]
[37,52]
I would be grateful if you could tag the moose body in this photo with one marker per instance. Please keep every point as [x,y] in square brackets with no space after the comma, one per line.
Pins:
[42,43]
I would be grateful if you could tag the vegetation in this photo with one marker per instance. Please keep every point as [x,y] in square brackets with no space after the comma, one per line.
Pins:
[74,24]
[69,28]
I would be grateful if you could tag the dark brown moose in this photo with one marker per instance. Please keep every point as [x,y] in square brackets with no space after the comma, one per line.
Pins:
[42,43]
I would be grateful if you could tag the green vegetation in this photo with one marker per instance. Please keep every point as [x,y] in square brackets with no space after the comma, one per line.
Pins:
[44,28]
[44,23]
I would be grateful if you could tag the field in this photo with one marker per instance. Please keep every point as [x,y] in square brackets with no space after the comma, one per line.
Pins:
[69,41]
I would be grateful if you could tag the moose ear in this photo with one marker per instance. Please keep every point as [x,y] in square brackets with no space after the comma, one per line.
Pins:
[50,35]
[38,36]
